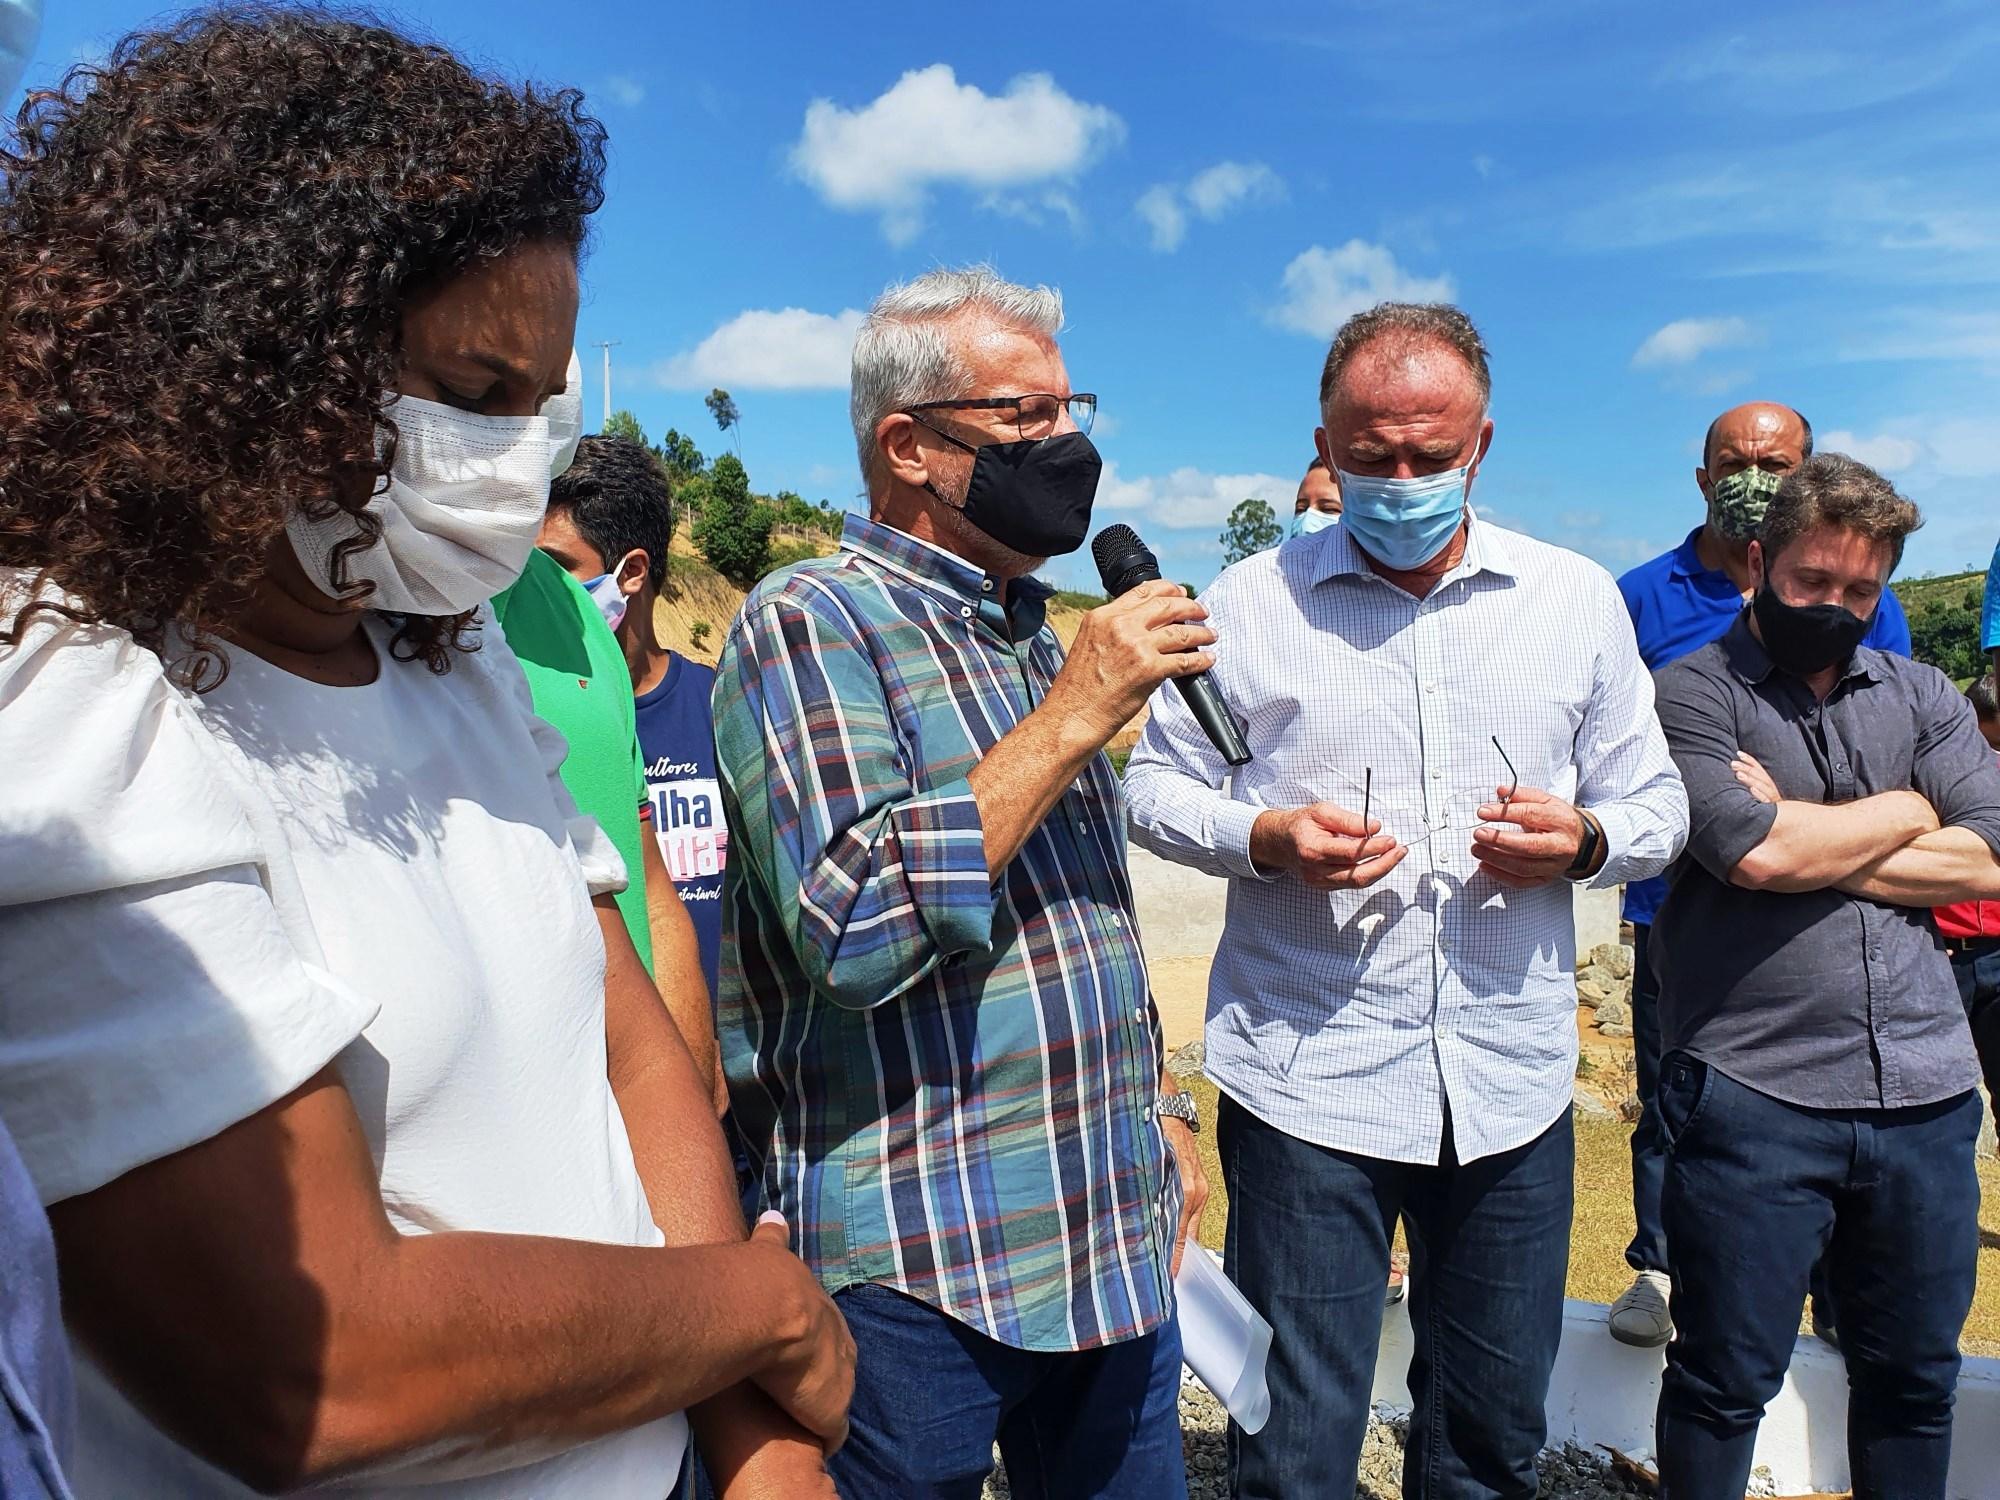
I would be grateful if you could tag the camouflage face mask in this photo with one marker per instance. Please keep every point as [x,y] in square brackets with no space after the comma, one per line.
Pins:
[1736,505]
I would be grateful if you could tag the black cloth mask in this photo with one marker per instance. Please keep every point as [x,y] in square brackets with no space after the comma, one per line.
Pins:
[1806,638]
[1031,496]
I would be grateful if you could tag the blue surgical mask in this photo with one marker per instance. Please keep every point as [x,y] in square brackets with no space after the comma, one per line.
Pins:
[1403,523]
[608,597]
[1309,520]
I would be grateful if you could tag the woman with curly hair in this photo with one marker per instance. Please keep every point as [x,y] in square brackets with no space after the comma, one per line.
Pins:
[370,1152]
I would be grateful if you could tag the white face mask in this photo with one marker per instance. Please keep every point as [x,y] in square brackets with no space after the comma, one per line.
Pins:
[565,414]
[462,506]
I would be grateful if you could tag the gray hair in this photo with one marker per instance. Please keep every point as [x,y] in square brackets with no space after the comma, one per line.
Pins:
[904,352]
[1406,324]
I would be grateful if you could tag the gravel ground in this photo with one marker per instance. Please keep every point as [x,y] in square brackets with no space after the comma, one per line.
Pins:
[1568,1473]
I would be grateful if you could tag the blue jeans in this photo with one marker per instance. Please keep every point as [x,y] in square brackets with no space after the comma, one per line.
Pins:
[1648,1250]
[1756,1191]
[932,1396]
[1309,1236]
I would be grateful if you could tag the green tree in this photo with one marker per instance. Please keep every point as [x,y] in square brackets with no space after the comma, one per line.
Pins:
[1944,631]
[1251,527]
[680,456]
[722,406]
[622,423]
[732,530]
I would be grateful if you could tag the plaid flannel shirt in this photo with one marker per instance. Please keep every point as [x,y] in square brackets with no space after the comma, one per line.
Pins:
[948,1081]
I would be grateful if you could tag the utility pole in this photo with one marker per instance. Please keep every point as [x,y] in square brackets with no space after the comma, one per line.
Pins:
[607,346]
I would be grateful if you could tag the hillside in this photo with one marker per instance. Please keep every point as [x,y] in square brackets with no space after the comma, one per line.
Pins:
[1919,593]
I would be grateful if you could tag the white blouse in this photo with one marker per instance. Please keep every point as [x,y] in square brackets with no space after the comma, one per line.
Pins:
[203,900]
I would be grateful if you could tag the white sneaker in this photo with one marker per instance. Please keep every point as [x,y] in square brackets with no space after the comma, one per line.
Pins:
[1639,1317]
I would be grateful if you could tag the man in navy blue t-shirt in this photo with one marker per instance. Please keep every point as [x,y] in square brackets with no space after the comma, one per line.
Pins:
[610,522]
[1679,602]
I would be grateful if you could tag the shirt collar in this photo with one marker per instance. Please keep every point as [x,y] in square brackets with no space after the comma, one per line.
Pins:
[1687,557]
[1486,551]
[1749,660]
[947,575]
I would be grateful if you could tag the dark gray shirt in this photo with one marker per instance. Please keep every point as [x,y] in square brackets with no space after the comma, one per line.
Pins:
[1814,997]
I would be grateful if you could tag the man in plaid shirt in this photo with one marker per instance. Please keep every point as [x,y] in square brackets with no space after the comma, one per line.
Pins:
[938,1033]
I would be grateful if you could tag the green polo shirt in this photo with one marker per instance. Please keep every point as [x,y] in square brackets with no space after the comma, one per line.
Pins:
[582,686]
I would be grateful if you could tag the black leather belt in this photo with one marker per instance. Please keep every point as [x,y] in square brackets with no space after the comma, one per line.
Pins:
[1971,946]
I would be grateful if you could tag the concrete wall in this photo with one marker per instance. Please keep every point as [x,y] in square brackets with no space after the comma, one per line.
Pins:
[1605,1393]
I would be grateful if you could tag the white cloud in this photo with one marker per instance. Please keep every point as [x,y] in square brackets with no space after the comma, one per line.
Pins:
[1324,288]
[1685,340]
[1212,194]
[1160,207]
[930,130]
[784,349]
[1188,498]
[1214,191]
[1885,451]
[626,90]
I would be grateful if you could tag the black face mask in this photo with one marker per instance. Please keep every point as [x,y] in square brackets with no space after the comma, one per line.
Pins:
[1806,638]
[1032,496]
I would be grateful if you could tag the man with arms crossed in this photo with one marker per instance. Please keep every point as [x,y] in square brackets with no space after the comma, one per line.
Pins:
[939,1038]
[1679,602]
[1448,724]
[1816,1092]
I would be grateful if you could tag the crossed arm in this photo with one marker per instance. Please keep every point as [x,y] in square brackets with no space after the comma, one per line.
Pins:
[1929,845]
[1888,848]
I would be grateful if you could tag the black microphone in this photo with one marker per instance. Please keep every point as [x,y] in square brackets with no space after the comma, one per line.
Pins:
[1124,562]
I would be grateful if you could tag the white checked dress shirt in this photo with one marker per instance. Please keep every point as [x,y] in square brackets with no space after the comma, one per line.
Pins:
[1351,1018]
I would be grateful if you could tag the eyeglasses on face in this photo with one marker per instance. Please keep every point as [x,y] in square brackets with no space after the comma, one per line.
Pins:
[1034,415]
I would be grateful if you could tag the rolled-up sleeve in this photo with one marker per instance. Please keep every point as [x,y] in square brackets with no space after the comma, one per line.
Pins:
[878,880]
[1175,803]
[1954,769]
[1726,822]
[152,996]
[1626,777]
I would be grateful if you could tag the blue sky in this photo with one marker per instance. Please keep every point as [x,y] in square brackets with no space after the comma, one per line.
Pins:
[1652,212]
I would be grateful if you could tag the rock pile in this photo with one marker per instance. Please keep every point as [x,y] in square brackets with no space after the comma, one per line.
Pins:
[1604,984]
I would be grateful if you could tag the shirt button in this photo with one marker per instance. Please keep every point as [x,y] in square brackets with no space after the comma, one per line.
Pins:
[1437,775]
[966,610]
[986,586]
[1430,687]
[1116,920]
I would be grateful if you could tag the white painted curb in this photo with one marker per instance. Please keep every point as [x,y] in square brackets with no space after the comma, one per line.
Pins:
[1603,1392]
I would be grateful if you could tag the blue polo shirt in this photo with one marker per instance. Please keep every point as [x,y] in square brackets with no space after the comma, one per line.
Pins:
[1678,606]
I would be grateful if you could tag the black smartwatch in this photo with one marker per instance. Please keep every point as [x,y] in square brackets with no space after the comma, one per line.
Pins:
[1587,848]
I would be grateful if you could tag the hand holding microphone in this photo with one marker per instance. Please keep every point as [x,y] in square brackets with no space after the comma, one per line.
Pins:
[1126,649]
[1131,573]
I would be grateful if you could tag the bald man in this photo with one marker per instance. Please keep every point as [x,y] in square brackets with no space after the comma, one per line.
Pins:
[1680,601]
[1318,503]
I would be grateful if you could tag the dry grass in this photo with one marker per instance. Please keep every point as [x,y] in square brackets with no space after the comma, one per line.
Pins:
[1597,1269]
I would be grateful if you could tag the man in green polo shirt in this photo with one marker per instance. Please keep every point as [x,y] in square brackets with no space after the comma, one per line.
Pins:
[580,684]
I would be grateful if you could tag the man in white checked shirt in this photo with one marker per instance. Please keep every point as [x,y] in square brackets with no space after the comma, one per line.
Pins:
[1391,1015]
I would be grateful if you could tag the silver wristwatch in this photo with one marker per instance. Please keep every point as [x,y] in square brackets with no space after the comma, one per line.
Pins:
[1179,1107]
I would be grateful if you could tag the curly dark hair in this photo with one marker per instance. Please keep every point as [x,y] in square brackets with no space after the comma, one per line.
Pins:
[206,246]
[617,497]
